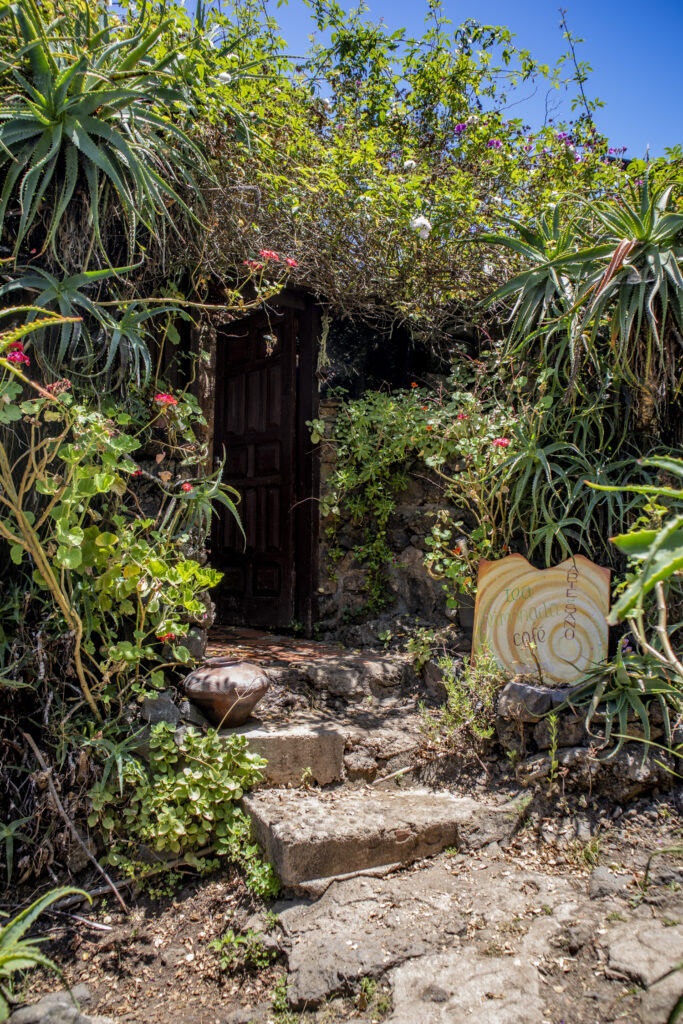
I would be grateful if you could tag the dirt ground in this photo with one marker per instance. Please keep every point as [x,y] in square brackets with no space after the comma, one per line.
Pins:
[156,965]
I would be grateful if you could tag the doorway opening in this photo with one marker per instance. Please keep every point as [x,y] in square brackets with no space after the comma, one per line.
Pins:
[266,390]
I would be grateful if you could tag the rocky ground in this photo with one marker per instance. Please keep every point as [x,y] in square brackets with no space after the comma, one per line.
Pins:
[554,926]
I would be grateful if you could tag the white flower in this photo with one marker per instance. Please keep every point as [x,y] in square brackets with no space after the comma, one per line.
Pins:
[409,165]
[225,78]
[327,103]
[488,269]
[421,225]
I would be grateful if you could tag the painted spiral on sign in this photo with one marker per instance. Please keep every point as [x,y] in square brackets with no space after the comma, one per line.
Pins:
[553,618]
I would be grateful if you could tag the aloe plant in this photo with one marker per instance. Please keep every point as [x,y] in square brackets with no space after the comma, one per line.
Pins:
[84,107]
[20,954]
[618,263]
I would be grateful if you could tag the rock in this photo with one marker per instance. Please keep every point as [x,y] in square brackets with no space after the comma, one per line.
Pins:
[464,987]
[59,1008]
[308,747]
[361,927]
[624,776]
[645,953]
[511,735]
[432,676]
[159,709]
[226,691]
[604,882]
[195,640]
[191,715]
[523,702]
[309,835]
[571,731]
[172,956]
[260,1014]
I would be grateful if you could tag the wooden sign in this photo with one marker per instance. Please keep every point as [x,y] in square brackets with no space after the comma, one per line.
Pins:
[553,618]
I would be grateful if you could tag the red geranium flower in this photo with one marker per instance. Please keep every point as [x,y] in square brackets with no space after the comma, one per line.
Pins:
[268,254]
[187,487]
[166,636]
[413,385]
[165,399]
[501,442]
[462,416]
[18,357]
[290,262]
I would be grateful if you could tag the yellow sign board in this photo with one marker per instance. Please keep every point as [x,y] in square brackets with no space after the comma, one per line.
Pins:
[553,619]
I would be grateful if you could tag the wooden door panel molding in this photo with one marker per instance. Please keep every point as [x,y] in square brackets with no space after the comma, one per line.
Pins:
[256,425]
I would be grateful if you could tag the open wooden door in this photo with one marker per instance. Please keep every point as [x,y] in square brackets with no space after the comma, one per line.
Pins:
[264,394]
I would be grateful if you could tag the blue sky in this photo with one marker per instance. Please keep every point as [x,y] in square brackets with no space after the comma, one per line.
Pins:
[633,47]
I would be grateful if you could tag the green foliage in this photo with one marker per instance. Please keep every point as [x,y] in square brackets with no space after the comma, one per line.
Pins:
[119,581]
[657,553]
[420,645]
[20,954]
[83,108]
[599,302]
[375,129]
[184,804]
[241,951]
[628,686]
[471,699]
[380,438]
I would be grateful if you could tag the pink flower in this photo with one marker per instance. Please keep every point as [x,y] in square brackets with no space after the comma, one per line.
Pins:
[186,487]
[290,262]
[18,357]
[253,264]
[163,399]
[268,254]
[166,636]
[501,442]
[462,416]
[59,386]
[136,472]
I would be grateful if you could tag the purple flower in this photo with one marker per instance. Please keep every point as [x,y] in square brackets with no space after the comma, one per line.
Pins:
[494,144]
[460,128]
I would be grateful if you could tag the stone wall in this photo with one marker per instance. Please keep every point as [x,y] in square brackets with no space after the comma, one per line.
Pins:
[411,592]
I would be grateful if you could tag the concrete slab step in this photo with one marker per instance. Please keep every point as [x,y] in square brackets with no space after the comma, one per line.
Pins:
[306,748]
[310,835]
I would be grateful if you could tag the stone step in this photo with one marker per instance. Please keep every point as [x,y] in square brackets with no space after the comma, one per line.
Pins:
[309,836]
[317,746]
[306,748]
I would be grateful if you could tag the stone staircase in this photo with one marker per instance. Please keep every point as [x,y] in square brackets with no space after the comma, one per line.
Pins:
[345,790]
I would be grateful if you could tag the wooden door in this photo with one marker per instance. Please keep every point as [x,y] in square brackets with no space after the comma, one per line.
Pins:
[255,426]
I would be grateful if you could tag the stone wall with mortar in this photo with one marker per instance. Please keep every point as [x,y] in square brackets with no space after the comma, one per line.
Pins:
[412,594]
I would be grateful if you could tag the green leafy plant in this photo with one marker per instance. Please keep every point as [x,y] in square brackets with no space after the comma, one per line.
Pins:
[471,699]
[420,646]
[83,108]
[241,950]
[629,685]
[20,954]
[184,804]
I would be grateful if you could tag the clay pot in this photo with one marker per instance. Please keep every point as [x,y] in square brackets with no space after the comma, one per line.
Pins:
[227,691]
